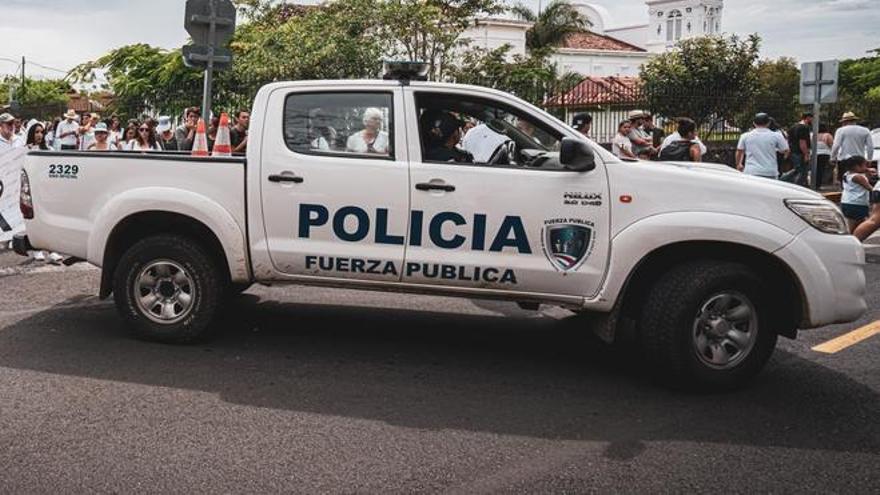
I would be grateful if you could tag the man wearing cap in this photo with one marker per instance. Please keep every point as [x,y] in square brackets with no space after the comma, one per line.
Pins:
[757,149]
[583,123]
[8,139]
[167,139]
[852,140]
[68,130]
[642,141]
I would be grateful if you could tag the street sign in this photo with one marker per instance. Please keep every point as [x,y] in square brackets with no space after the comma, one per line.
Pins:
[196,56]
[819,82]
[818,85]
[198,19]
[211,23]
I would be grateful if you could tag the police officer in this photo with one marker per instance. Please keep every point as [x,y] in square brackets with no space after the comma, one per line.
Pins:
[442,133]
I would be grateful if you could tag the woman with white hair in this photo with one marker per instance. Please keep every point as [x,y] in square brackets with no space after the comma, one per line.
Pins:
[372,139]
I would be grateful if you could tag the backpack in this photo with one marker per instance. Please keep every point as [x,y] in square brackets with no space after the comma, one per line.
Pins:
[679,151]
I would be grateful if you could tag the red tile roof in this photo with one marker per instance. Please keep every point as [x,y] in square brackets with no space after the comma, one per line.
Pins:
[593,41]
[595,90]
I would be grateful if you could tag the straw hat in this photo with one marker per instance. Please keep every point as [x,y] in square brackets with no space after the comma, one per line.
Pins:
[849,117]
[636,114]
[71,114]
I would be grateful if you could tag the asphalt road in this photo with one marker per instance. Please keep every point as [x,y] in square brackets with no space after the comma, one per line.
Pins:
[321,391]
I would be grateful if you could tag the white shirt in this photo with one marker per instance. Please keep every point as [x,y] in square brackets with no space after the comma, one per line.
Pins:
[320,144]
[481,142]
[761,146]
[620,143]
[852,140]
[675,136]
[88,139]
[357,144]
[853,193]
[13,142]
[68,126]
[134,145]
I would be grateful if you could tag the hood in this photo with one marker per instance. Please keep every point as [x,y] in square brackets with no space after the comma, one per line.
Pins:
[729,173]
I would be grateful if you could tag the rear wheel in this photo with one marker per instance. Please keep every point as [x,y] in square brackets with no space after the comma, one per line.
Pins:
[708,325]
[168,289]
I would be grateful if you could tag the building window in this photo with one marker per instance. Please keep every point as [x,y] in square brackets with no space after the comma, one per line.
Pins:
[673,26]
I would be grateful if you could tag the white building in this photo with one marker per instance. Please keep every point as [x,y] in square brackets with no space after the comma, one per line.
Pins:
[611,49]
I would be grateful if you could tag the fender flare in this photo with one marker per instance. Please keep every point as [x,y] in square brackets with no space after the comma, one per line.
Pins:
[177,201]
[638,240]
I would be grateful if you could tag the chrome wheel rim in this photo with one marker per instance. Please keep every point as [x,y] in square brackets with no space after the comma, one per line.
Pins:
[164,292]
[725,330]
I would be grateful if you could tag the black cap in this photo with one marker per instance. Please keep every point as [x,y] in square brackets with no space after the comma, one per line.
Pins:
[439,124]
[580,120]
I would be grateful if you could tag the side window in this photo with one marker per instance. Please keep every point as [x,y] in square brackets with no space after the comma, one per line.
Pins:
[460,129]
[357,124]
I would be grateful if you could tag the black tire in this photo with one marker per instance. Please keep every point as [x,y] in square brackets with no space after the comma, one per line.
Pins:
[234,290]
[204,282]
[668,324]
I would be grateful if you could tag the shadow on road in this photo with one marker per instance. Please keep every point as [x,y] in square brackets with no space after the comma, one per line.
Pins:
[535,377]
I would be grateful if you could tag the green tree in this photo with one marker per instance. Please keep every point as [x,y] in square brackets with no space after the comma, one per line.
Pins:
[860,88]
[777,93]
[532,78]
[429,30]
[703,78]
[552,25]
[37,98]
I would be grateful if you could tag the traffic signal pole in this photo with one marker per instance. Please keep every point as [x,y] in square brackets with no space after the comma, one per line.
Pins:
[209,71]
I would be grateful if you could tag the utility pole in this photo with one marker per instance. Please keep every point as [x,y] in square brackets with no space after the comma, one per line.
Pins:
[21,96]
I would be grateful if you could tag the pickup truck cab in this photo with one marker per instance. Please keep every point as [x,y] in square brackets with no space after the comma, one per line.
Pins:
[370,184]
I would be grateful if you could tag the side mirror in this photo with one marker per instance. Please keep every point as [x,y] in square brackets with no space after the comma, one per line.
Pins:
[576,155]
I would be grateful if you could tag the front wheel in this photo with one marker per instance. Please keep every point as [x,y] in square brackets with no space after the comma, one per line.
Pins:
[708,325]
[168,289]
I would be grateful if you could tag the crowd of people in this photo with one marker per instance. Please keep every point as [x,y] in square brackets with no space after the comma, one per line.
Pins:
[763,151]
[88,132]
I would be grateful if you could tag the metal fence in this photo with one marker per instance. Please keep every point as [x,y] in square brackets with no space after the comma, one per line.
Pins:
[609,100]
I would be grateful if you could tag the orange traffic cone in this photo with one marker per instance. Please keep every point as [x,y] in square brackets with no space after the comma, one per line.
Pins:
[223,144]
[200,144]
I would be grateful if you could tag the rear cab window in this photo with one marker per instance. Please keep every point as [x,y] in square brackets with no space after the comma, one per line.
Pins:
[355,124]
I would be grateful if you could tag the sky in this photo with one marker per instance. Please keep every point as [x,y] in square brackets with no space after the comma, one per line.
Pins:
[61,34]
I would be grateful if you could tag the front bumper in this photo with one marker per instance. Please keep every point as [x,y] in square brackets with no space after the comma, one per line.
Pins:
[831,271]
[21,244]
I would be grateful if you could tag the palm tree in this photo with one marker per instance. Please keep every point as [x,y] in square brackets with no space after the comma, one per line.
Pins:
[551,26]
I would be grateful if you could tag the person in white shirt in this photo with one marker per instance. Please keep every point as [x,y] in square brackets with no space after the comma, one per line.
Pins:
[852,140]
[371,139]
[621,146]
[145,140]
[756,152]
[675,137]
[8,139]
[68,131]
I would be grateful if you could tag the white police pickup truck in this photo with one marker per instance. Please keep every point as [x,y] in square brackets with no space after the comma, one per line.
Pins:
[457,190]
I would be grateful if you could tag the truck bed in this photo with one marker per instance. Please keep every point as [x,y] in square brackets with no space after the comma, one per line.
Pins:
[77,194]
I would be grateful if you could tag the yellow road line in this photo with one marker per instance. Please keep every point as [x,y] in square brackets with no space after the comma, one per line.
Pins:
[840,343]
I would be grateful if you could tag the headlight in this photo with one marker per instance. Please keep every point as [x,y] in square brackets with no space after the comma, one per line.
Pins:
[821,214]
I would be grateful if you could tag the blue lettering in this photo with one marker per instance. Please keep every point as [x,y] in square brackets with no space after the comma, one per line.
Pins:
[306,220]
[382,236]
[519,240]
[390,269]
[436,230]
[478,243]
[412,268]
[363,224]
[357,265]
[416,219]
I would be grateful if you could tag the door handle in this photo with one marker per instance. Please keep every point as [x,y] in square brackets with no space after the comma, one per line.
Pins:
[428,186]
[286,178]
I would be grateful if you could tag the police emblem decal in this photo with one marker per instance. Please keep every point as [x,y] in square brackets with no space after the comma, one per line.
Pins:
[568,242]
